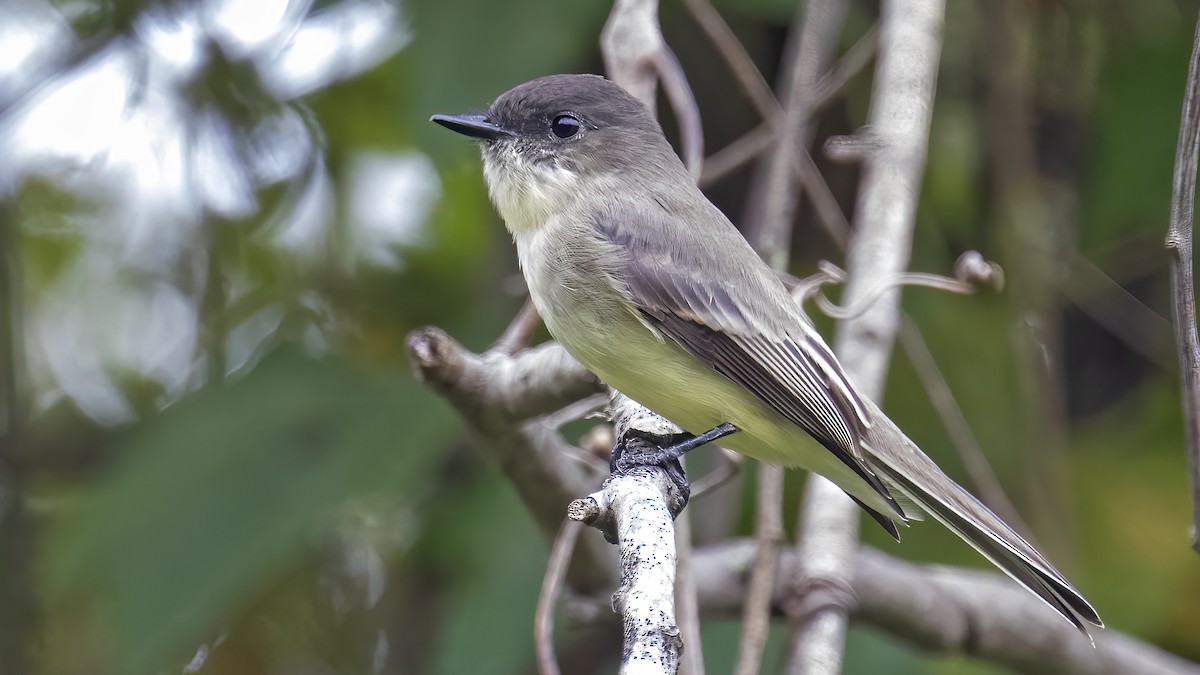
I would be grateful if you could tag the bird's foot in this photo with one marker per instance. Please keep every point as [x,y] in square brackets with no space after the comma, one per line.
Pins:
[636,449]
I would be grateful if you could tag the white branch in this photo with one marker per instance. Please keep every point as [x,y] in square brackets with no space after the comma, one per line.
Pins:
[949,610]
[902,104]
[636,509]
[633,504]
[630,43]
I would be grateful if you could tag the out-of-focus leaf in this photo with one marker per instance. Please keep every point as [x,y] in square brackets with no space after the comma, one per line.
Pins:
[219,493]
[489,547]
[1137,123]
[49,240]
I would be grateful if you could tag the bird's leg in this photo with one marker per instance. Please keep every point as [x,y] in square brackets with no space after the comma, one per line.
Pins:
[636,448]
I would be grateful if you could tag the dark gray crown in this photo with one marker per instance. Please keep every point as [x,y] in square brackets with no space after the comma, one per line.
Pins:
[527,109]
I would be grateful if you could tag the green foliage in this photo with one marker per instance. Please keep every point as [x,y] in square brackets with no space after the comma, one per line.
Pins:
[50,239]
[1137,125]
[215,496]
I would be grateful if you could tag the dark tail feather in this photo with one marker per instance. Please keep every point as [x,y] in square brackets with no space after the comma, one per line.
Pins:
[901,463]
[886,523]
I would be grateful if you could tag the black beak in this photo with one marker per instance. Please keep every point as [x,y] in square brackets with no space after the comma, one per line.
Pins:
[475,126]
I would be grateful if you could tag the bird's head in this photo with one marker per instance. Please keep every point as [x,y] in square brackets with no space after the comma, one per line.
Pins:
[552,141]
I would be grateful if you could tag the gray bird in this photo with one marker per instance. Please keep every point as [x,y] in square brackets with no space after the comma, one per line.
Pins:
[651,287]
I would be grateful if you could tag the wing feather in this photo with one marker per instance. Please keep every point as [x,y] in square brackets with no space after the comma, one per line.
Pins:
[779,359]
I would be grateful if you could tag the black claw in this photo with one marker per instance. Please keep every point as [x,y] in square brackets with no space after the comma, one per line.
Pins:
[636,448]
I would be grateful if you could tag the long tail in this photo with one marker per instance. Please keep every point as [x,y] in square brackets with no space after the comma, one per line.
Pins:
[902,464]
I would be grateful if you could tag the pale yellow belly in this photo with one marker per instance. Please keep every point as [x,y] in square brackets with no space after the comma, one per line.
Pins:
[674,384]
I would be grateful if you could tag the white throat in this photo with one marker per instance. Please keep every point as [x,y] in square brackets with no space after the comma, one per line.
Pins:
[529,193]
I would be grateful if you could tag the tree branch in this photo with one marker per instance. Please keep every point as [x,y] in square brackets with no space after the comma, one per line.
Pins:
[635,509]
[807,55]
[552,583]
[902,103]
[1179,250]
[501,398]
[948,610]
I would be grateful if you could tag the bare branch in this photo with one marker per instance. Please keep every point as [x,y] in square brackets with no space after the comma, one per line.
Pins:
[768,536]
[773,199]
[507,389]
[1179,249]
[949,610]
[902,103]
[634,503]
[852,62]
[969,451]
[500,397]
[747,75]
[687,607]
[516,336]
[1125,317]
[683,104]
[630,43]
[552,583]
[635,509]
[737,154]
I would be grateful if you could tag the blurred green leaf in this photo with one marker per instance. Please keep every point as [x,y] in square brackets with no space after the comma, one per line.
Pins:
[1137,124]
[496,558]
[220,492]
[50,239]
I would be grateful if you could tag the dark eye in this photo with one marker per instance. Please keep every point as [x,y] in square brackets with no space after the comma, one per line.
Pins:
[565,126]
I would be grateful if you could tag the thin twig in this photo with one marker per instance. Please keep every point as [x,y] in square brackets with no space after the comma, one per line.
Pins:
[552,584]
[730,468]
[829,212]
[852,62]
[683,104]
[516,336]
[810,49]
[955,423]
[768,537]
[737,154]
[745,73]
[1183,293]
[687,607]
[1125,317]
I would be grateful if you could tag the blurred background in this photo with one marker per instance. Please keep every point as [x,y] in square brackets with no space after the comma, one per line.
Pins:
[220,218]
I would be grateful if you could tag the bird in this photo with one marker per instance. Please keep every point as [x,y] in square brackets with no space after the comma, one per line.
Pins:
[647,283]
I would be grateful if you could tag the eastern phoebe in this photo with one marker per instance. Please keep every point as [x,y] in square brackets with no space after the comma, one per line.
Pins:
[652,288]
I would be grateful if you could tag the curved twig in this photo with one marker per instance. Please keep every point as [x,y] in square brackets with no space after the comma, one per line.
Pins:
[1183,293]
[552,583]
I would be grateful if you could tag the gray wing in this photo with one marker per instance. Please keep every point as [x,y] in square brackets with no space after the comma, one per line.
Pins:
[739,320]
